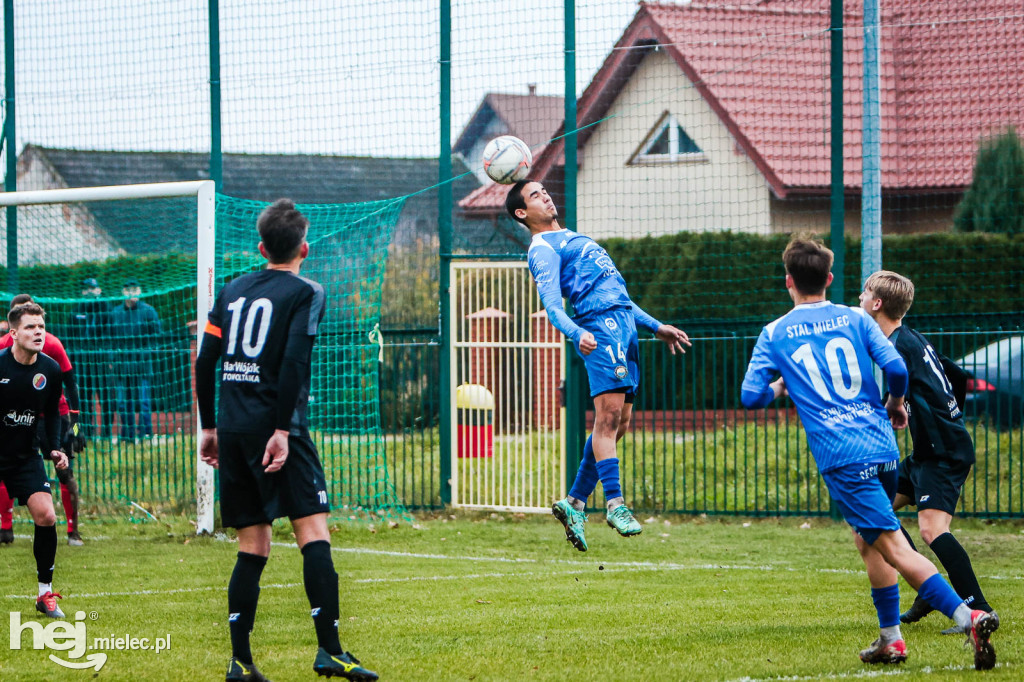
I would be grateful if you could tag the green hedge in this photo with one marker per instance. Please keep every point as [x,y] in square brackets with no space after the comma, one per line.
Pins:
[730,276]
[689,277]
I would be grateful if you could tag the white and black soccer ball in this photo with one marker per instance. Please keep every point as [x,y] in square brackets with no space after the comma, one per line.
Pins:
[507,159]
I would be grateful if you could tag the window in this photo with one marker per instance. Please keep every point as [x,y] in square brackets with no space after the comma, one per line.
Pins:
[668,142]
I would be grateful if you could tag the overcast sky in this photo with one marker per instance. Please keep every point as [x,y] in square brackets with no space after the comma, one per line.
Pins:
[355,77]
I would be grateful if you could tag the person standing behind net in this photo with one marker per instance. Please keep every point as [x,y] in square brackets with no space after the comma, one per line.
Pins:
[262,328]
[933,475]
[136,326]
[71,438]
[564,263]
[29,393]
[88,333]
[824,353]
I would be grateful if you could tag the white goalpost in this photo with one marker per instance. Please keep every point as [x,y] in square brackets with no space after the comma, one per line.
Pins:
[204,192]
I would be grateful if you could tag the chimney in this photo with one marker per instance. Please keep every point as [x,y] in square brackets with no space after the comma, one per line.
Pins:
[532,87]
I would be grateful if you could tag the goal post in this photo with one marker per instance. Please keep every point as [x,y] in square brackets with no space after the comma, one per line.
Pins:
[205,193]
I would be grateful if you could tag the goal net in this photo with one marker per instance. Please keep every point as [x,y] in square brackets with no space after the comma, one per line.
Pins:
[127,275]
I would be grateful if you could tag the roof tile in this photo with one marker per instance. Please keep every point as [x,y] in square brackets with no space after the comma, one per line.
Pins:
[950,75]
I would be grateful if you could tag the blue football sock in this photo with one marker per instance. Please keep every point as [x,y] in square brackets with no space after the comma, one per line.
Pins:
[608,470]
[937,592]
[887,604]
[586,475]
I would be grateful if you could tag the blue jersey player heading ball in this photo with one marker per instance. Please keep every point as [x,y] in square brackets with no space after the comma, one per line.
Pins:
[824,353]
[604,331]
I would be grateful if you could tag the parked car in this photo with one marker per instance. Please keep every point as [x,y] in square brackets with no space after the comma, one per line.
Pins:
[997,387]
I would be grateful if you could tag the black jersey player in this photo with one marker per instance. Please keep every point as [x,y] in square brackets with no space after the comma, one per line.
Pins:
[932,476]
[30,387]
[262,329]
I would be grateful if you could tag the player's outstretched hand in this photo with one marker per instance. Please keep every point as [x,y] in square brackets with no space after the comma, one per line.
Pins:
[277,451]
[674,338]
[60,460]
[208,448]
[588,343]
[897,412]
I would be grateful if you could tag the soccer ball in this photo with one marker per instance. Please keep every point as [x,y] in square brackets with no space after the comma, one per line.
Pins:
[507,159]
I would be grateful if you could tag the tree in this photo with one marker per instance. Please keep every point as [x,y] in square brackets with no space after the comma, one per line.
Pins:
[995,200]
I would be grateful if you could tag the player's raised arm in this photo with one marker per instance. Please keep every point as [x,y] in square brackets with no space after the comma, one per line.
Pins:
[672,337]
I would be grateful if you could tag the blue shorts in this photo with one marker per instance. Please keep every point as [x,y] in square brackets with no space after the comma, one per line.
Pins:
[615,364]
[864,494]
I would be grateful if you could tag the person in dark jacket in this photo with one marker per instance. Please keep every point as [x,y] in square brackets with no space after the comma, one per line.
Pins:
[88,337]
[135,326]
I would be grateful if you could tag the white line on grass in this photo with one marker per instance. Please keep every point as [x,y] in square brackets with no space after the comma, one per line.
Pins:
[573,562]
[416,555]
[891,672]
[625,568]
[138,593]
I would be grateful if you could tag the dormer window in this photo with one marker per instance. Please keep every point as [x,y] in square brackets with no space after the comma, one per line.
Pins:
[668,142]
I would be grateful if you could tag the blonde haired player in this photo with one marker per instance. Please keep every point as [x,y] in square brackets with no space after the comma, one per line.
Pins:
[932,476]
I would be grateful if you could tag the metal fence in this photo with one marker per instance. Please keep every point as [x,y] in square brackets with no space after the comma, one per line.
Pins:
[693,449]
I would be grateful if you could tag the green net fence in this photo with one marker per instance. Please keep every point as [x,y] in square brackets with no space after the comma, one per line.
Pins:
[704,134]
[693,117]
[348,252]
[127,319]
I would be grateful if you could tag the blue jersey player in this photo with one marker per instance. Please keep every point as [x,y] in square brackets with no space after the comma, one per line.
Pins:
[824,353]
[604,331]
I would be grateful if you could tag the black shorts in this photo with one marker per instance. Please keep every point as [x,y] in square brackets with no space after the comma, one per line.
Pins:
[24,478]
[933,483]
[628,400]
[249,496]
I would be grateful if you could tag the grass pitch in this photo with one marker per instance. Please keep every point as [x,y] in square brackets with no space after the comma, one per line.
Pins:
[504,597]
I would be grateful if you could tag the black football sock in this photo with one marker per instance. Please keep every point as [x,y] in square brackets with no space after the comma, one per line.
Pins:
[243,596]
[961,574]
[909,539]
[44,547]
[322,590]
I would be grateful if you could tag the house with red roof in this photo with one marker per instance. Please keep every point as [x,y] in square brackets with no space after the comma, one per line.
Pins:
[532,118]
[714,115]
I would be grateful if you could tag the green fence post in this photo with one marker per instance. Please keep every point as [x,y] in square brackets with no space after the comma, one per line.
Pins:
[216,161]
[444,226]
[575,397]
[11,174]
[837,195]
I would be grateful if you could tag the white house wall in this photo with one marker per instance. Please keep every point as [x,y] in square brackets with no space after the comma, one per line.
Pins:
[615,199]
[54,234]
